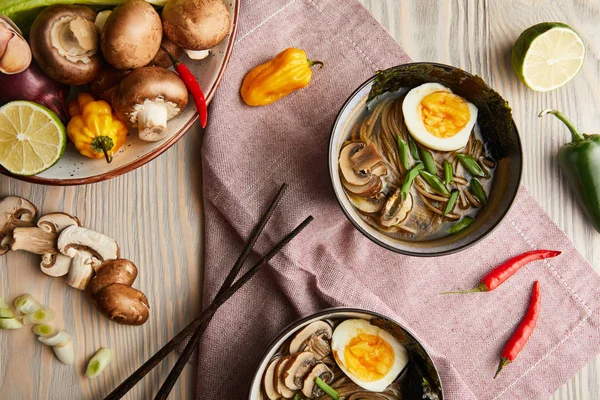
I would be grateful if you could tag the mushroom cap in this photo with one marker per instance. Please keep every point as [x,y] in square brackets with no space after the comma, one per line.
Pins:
[75,238]
[162,59]
[14,212]
[56,222]
[302,338]
[113,271]
[396,209]
[359,162]
[310,388]
[123,304]
[269,381]
[368,205]
[297,368]
[278,378]
[196,24]
[48,57]
[148,83]
[131,35]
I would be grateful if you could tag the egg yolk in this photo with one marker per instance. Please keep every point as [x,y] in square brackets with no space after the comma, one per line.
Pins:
[444,114]
[368,357]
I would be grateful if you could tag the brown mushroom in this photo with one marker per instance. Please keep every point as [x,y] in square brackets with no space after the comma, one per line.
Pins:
[278,378]
[14,212]
[15,54]
[368,205]
[396,209]
[64,42]
[131,35]
[297,368]
[314,338]
[148,97]
[369,189]
[110,272]
[106,83]
[310,388]
[359,162]
[162,59]
[196,24]
[269,381]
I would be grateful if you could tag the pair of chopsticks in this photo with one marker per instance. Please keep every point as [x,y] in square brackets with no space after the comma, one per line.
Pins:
[198,325]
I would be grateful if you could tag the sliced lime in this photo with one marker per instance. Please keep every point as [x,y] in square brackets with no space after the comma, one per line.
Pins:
[32,138]
[548,55]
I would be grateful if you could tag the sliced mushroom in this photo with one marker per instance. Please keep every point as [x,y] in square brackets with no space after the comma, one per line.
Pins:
[269,381]
[359,162]
[148,97]
[297,368]
[314,338]
[64,42]
[370,189]
[15,54]
[278,379]
[396,209]
[88,249]
[368,205]
[310,388]
[56,264]
[14,212]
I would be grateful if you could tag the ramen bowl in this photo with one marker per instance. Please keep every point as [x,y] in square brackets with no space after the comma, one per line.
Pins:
[418,378]
[494,131]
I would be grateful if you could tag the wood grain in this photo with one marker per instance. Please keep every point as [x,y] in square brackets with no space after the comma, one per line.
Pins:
[155,212]
[478,35]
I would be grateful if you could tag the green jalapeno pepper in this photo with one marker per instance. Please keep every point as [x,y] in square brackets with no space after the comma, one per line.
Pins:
[579,160]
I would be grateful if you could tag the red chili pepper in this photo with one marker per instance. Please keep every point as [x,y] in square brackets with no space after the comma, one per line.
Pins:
[520,337]
[508,268]
[192,85]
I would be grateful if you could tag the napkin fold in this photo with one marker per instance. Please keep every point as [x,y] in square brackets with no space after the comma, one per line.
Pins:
[248,152]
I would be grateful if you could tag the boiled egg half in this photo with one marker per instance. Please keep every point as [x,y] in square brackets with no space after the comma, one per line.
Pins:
[437,118]
[367,354]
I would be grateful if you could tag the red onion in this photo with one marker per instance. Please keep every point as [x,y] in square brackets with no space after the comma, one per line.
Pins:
[33,85]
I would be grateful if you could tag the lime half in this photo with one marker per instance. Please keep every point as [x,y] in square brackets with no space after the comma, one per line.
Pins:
[32,138]
[548,55]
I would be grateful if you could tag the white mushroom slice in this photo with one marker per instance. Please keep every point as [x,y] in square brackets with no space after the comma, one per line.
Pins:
[311,337]
[269,381]
[370,189]
[14,212]
[88,249]
[65,352]
[396,209]
[310,388]
[297,368]
[369,205]
[278,379]
[360,162]
[56,264]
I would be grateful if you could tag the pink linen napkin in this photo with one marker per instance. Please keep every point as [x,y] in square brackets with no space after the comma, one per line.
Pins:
[248,152]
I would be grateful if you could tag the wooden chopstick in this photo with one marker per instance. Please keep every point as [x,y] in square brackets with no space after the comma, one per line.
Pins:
[167,386]
[205,316]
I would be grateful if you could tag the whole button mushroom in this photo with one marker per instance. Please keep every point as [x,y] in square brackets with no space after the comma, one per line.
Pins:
[148,97]
[64,42]
[131,35]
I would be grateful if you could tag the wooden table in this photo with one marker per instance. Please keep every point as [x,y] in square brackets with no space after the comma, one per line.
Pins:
[154,213]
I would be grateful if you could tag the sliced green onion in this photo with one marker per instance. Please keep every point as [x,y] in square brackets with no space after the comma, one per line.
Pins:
[26,304]
[5,311]
[478,191]
[56,339]
[403,153]
[41,316]
[43,330]
[99,362]
[414,152]
[460,225]
[65,352]
[448,174]
[435,183]
[451,203]
[427,159]
[327,389]
[410,177]
[10,323]
[471,165]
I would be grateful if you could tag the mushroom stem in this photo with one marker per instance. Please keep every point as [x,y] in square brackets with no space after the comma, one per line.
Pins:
[152,121]
[34,240]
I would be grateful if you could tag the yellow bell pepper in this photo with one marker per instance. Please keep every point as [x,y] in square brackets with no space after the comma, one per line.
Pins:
[269,82]
[93,128]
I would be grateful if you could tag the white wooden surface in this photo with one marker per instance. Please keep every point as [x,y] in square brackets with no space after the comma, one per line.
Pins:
[155,212]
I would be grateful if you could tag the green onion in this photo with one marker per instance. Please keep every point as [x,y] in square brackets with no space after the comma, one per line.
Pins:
[403,153]
[26,304]
[471,165]
[329,391]
[7,318]
[427,159]
[414,152]
[410,177]
[478,191]
[435,183]
[99,362]
[41,316]
[448,175]
[43,330]
[460,225]
[451,202]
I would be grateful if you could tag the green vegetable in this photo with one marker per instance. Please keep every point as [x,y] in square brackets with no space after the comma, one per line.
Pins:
[461,225]
[43,330]
[99,362]
[40,316]
[414,152]
[7,318]
[478,191]
[435,183]
[427,159]
[26,304]
[403,153]
[451,203]
[448,175]
[23,12]
[579,161]
[409,178]
[471,165]
[328,389]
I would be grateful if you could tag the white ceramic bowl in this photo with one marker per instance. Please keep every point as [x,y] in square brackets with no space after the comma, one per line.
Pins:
[75,169]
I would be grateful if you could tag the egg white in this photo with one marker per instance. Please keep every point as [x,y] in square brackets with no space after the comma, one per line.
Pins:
[349,329]
[414,122]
